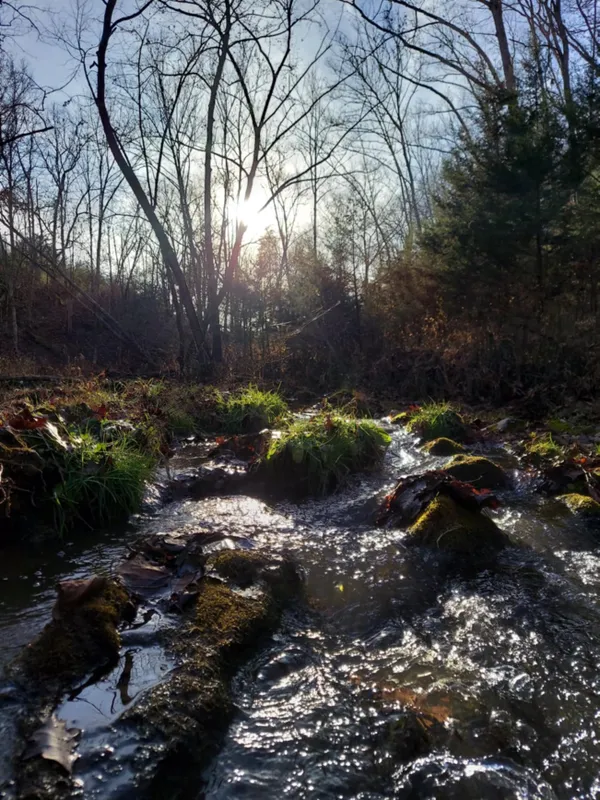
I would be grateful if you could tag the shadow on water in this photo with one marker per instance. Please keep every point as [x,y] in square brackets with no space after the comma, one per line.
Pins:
[498,661]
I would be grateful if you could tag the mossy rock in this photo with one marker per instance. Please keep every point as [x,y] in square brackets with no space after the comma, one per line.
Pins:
[581,506]
[318,455]
[80,639]
[186,716]
[443,447]
[479,472]
[438,421]
[445,525]
[247,567]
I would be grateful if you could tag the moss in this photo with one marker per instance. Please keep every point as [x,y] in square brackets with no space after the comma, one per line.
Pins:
[316,456]
[445,525]
[438,420]
[544,448]
[247,567]
[224,618]
[443,447]
[187,715]
[242,567]
[82,638]
[581,505]
[480,472]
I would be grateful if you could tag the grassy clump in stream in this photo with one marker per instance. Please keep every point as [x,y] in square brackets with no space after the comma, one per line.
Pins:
[437,421]
[316,456]
[250,410]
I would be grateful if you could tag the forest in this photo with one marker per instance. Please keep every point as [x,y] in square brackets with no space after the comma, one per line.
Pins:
[326,193]
[299,418]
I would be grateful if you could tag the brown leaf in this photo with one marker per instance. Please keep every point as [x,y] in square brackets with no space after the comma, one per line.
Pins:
[72,594]
[142,577]
[54,742]
[25,421]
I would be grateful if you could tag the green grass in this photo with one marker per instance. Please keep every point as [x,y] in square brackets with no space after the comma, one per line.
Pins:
[317,455]
[545,447]
[101,482]
[436,421]
[179,422]
[250,410]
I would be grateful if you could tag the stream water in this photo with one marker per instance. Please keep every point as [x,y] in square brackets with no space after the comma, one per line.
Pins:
[505,658]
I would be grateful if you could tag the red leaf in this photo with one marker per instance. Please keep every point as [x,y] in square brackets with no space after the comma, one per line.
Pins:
[25,421]
[100,412]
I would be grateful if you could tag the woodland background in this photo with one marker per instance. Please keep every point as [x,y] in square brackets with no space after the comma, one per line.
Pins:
[401,196]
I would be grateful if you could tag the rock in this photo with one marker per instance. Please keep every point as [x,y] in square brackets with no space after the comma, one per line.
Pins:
[507,425]
[445,525]
[400,419]
[184,718]
[480,472]
[83,634]
[582,506]
[412,494]
[443,447]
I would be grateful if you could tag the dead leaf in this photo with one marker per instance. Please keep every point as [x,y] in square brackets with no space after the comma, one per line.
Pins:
[25,421]
[54,742]
[72,594]
[100,412]
[142,577]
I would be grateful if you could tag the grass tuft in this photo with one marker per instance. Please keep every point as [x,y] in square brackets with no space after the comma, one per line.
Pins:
[251,410]
[544,447]
[317,455]
[437,421]
[101,482]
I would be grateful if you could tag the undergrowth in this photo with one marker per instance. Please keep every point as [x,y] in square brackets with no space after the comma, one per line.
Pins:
[318,454]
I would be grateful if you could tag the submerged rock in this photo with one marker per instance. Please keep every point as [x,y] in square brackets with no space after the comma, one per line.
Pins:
[446,525]
[443,447]
[82,635]
[582,506]
[480,472]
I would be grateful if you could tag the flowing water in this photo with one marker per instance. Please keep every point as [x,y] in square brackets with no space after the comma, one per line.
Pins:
[500,664]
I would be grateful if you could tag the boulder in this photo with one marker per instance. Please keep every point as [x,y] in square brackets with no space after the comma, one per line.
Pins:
[443,447]
[446,525]
[582,506]
[478,471]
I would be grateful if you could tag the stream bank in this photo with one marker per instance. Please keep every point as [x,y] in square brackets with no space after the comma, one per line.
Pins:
[404,673]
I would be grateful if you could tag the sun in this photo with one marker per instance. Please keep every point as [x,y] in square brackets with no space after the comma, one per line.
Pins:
[250,212]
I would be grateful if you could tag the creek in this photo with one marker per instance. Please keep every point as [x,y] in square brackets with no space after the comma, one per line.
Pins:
[499,665]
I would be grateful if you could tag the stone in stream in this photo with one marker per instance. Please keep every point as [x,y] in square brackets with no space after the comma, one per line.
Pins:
[582,507]
[447,525]
[182,720]
[443,447]
[82,635]
[478,471]
[238,599]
